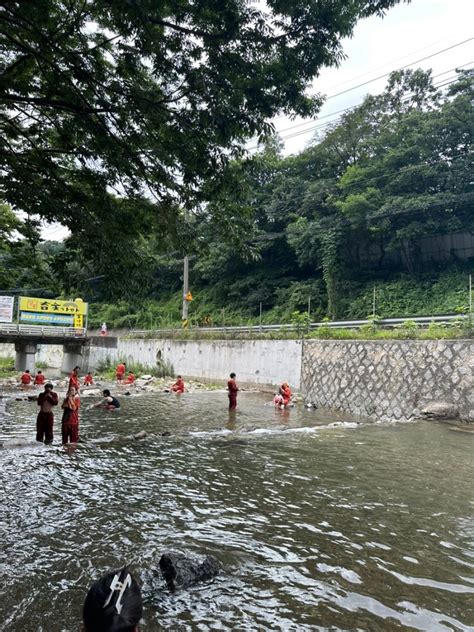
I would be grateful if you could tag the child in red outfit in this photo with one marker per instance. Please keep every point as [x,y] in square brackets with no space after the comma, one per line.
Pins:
[232,389]
[26,378]
[70,420]
[39,379]
[178,386]
[88,380]
[130,378]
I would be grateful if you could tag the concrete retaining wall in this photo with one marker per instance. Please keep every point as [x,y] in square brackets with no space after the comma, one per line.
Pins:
[51,355]
[263,362]
[383,379]
[389,379]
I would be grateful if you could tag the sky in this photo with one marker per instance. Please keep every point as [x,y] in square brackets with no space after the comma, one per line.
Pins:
[407,33]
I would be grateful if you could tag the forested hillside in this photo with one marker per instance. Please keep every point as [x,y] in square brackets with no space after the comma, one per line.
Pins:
[382,198]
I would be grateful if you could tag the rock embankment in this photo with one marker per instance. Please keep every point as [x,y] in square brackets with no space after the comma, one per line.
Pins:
[143,384]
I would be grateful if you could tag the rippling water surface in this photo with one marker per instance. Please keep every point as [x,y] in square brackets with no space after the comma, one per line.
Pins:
[319,526]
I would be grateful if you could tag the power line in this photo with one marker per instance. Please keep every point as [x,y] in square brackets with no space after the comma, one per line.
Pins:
[388,63]
[309,129]
[29,289]
[374,216]
[56,230]
[365,83]
[329,123]
[462,196]
[319,118]
[376,79]
[352,107]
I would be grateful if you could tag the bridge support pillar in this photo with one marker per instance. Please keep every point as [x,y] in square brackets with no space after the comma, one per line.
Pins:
[25,356]
[72,356]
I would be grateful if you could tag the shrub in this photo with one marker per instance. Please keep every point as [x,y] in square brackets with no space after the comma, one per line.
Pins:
[7,367]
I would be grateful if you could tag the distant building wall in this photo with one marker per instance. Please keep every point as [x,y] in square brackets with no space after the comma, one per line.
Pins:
[426,249]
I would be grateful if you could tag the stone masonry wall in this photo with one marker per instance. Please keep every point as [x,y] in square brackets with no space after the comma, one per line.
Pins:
[389,379]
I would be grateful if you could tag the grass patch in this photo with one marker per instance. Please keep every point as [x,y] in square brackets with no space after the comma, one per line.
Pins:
[7,367]
[106,369]
[408,330]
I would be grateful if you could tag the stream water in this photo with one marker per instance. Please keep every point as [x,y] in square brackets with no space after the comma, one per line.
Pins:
[319,525]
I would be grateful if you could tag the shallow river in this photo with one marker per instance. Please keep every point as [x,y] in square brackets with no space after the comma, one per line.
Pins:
[318,526]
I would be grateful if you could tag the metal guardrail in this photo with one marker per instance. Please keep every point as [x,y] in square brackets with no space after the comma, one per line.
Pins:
[13,329]
[335,324]
[70,332]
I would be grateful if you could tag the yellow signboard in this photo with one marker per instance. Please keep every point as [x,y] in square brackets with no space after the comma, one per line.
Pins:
[51,306]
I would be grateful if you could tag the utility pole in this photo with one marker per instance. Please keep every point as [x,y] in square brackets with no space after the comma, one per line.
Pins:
[470,303]
[184,315]
[470,295]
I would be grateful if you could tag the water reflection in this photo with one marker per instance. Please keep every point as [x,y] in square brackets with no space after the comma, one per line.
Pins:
[319,524]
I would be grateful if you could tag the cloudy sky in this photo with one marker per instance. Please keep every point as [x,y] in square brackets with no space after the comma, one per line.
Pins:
[409,32]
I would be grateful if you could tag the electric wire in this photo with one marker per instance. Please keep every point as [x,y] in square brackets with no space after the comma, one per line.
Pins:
[365,83]
[352,107]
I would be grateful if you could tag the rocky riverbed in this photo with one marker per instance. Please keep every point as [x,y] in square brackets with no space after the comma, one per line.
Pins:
[144,384]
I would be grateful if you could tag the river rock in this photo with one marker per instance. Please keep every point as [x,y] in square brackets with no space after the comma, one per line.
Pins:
[140,435]
[440,410]
[91,392]
[180,571]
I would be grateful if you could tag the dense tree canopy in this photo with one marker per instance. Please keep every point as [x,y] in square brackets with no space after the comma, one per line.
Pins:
[343,215]
[120,117]
[144,100]
[354,204]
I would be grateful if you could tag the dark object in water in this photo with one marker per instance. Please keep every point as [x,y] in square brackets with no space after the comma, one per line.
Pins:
[180,571]
[166,433]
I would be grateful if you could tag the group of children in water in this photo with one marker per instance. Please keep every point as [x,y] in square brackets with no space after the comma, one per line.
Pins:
[282,399]
[114,602]
[70,406]
[72,402]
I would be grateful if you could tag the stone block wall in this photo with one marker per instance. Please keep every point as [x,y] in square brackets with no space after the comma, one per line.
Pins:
[389,379]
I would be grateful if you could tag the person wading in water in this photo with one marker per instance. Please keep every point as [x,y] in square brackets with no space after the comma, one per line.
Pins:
[232,391]
[45,420]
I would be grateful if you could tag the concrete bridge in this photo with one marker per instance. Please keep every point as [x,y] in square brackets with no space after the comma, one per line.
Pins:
[26,339]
